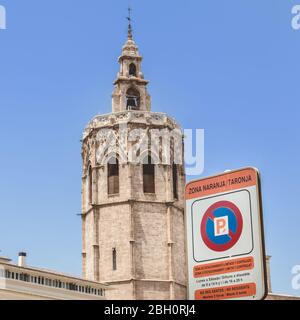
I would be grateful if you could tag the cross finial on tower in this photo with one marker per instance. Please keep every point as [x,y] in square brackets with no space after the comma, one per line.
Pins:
[129,23]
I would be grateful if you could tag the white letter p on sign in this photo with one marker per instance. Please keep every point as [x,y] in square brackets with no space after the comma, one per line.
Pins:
[221,226]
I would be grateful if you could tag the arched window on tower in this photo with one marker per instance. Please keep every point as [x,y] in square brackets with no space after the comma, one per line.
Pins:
[113,176]
[148,175]
[133,99]
[90,185]
[175,181]
[132,70]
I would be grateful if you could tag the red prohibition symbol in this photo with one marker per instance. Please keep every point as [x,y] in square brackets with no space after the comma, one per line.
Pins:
[232,222]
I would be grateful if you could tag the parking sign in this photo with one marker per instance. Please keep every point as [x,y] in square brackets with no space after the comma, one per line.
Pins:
[225,242]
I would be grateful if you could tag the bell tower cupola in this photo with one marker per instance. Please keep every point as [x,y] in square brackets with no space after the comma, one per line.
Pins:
[130,91]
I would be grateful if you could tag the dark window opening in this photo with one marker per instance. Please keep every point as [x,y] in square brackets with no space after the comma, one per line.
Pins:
[114,259]
[90,190]
[113,176]
[132,70]
[133,99]
[175,181]
[148,176]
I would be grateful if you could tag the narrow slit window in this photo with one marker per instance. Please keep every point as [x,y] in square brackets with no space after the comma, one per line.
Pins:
[175,181]
[90,190]
[114,259]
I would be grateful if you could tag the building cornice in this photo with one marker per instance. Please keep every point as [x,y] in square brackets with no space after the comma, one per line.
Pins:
[144,280]
[140,117]
[130,202]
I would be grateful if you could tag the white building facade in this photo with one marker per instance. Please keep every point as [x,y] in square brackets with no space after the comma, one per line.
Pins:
[21,282]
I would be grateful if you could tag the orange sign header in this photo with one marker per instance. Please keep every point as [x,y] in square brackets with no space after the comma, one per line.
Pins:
[222,183]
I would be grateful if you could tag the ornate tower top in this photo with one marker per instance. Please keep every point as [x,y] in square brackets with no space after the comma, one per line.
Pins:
[129,24]
[130,91]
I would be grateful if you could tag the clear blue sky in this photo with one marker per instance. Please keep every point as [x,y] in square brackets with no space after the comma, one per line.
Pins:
[231,67]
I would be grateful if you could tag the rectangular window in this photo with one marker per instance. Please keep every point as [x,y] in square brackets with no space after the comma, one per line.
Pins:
[114,259]
[149,177]
[113,176]
[175,182]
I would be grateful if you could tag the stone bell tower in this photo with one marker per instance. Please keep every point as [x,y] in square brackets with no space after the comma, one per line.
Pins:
[133,193]
[130,86]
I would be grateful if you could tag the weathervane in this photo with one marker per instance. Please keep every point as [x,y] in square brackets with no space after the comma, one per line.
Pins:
[129,23]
